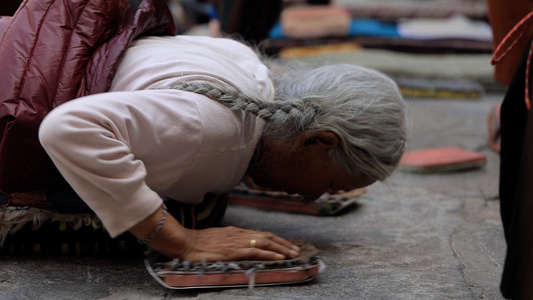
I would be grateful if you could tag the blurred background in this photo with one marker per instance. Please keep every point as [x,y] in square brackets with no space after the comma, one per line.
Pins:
[432,48]
[410,40]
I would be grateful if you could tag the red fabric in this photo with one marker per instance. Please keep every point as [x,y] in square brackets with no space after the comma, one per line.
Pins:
[503,15]
[52,51]
[441,159]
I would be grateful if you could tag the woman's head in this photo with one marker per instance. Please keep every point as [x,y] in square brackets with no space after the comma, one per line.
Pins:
[362,107]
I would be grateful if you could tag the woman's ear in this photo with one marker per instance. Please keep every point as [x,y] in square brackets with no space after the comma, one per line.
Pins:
[322,138]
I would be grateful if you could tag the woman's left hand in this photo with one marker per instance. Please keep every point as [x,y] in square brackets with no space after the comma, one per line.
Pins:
[212,244]
[233,243]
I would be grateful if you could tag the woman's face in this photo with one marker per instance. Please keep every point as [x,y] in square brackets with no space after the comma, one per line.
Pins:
[306,169]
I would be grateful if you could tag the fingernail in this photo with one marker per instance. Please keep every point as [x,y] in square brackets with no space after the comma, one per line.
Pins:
[293,253]
[280,256]
[296,248]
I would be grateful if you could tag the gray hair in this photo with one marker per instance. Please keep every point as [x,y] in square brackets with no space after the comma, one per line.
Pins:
[363,107]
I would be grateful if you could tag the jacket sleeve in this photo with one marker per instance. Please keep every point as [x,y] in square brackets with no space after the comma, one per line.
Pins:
[118,150]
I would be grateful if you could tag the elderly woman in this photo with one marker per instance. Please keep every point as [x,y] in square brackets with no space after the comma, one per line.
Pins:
[189,116]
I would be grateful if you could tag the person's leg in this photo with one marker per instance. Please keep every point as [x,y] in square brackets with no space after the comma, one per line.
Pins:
[72,230]
[207,214]
[61,199]
[523,225]
[64,199]
[252,20]
[516,191]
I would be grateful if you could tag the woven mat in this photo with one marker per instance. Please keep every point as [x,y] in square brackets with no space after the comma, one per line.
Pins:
[25,230]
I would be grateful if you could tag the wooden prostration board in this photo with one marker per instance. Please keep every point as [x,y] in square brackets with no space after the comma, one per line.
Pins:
[441,160]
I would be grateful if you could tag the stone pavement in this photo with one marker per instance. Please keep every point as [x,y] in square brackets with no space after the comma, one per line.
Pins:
[413,236]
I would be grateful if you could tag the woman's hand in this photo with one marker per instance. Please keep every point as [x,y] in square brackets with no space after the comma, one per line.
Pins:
[232,243]
[213,244]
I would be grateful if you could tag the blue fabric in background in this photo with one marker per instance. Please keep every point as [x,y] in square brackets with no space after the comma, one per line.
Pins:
[358,27]
[369,27]
[276,32]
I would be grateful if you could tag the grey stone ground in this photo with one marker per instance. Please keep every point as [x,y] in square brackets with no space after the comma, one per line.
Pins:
[412,237]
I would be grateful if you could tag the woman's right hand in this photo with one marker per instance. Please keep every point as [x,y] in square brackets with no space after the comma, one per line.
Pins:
[213,244]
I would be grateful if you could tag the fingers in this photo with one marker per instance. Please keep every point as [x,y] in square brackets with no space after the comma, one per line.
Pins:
[268,241]
[284,242]
[277,245]
[271,242]
[232,243]
[238,254]
[259,254]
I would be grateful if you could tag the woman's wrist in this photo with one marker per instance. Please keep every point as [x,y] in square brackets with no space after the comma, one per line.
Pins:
[173,240]
[165,234]
[158,227]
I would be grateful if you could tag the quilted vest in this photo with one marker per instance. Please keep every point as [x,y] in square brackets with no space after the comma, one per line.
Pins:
[53,51]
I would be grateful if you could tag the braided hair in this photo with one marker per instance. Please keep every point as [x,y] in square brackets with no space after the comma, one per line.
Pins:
[363,107]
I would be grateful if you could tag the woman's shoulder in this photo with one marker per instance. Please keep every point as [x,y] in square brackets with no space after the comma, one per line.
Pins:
[194,41]
[159,60]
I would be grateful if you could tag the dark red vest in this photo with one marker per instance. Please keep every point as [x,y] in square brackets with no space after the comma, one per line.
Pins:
[52,51]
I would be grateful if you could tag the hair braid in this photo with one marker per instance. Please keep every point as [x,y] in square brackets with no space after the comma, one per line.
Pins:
[229,97]
[275,112]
